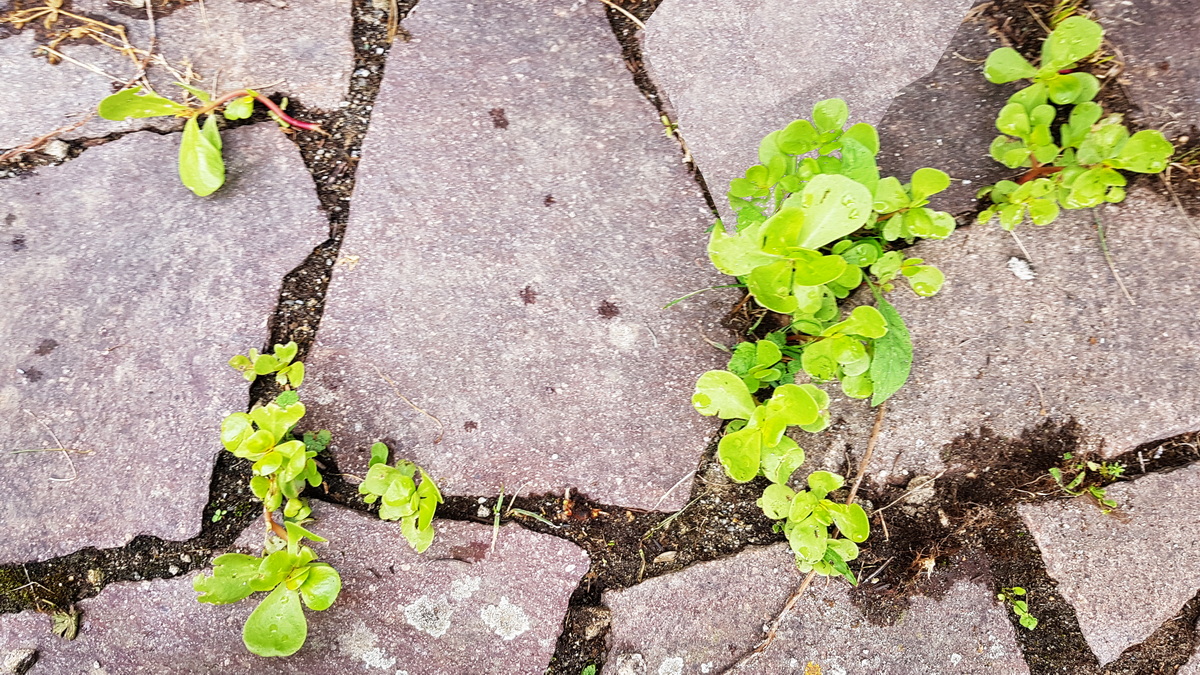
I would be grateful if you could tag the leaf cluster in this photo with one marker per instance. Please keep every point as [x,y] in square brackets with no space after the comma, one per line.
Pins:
[282,464]
[401,497]
[1081,166]
[290,576]
[1011,597]
[1103,471]
[280,362]
[805,517]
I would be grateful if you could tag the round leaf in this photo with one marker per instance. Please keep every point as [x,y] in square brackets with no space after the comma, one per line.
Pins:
[740,452]
[776,501]
[721,393]
[1074,39]
[823,482]
[321,587]
[851,521]
[1005,65]
[277,626]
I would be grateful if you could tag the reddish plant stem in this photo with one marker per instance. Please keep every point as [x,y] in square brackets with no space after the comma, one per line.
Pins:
[274,526]
[1038,171]
[271,105]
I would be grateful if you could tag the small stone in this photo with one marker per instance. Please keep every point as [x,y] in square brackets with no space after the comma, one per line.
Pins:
[173,570]
[920,490]
[1021,269]
[56,149]
[17,661]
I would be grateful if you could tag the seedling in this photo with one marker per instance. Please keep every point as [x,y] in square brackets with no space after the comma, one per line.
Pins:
[287,372]
[1011,597]
[1109,471]
[805,518]
[218,515]
[201,166]
[401,497]
[1083,168]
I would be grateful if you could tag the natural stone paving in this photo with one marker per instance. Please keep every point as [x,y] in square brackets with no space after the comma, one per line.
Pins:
[1192,667]
[303,50]
[458,608]
[947,120]
[770,60]
[1126,572]
[1156,39]
[519,221]
[125,295]
[700,620]
[992,350]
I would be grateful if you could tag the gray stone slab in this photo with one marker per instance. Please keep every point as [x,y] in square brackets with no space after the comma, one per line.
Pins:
[992,350]
[947,120]
[302,49]
[734,70]
[701,619]
[125,296]
[1192,667]
[1156,39]
[520,220]
[454,609]
[1127,572]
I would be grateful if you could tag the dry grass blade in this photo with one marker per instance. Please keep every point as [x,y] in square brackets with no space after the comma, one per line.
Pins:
[636,21]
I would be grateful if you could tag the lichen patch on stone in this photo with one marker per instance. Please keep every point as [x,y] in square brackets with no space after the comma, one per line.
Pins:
[505,619]
[431,615]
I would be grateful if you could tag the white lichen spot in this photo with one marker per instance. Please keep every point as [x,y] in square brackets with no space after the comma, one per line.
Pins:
[672,666]
[429,615]
[1021,269]
[706,667]
[461,589]
[360,643]
[955,659]
[505,619]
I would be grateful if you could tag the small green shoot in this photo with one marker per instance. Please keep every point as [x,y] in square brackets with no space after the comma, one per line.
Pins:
[287,373]
[218,515]
[1011,597]
[401,497]
[1106,471]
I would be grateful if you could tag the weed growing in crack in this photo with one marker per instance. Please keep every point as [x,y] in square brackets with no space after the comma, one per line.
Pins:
[201,167]
[283,466]
[1106,471]
[1083,169]
[1011,597]
[815,222]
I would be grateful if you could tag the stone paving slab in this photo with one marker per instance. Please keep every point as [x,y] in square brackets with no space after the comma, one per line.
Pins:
[454,609]
[303,50]
[734,70]
[1192,667]
[1156,39]
[519,221]
[992,350]
[947,120]
[125,296]
[701,619]
[1127,572]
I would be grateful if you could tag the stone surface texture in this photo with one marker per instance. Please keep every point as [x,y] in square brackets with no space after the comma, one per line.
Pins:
[734,70]
[302,49]
[1192,667]
[701,619]
[1162,70]
[947,120]
[520,220]
[1127,572]
[992,350]
[125,296]
[454,609]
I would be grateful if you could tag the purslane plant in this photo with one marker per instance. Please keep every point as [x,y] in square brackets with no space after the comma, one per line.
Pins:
[201,165]
[1081,168]
[283,465]
[815,222]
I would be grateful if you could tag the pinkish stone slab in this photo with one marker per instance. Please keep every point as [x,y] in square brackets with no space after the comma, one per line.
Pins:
[701,619]
[993,350]
[455,609]
[228,43]
[735,70]
[1127,572]
[1156,39]
[519,222]
[125,295]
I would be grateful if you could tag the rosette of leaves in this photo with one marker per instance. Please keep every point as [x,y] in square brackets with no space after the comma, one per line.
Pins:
[806,516]
[1081,167]
[282,464]
[290,577]
[401,497]
[287,372]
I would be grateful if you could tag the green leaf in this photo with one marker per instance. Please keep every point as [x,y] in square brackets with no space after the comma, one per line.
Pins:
[767,353]
[201,168]
[379,454]
[721,393]
[321,587]
[830,114]
[276,420]
[740,453]
[926,280]
[893,353]
[824,482]
[833,206]
[851,521]
[1006,65]
[791,404]
[808,541]
[1074,39]
[230,579]
[1013,120]
[127,103]
[858,159]
[239,108]
[864,321]
[835,561]
[927,182]
[781,461]
[776,501]
[1146,151]
[418,538]
[277,626]
[816,269]
[738,254]
[890,196]
[200,94]
[235,429]
[799,138]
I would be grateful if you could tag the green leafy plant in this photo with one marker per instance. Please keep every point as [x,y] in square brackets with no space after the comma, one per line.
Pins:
[815,223]
[401,497]
[1012,598]
[1081,167]
[290,576]
[1105,471]
[287,372]
[201,165]
[590,670]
